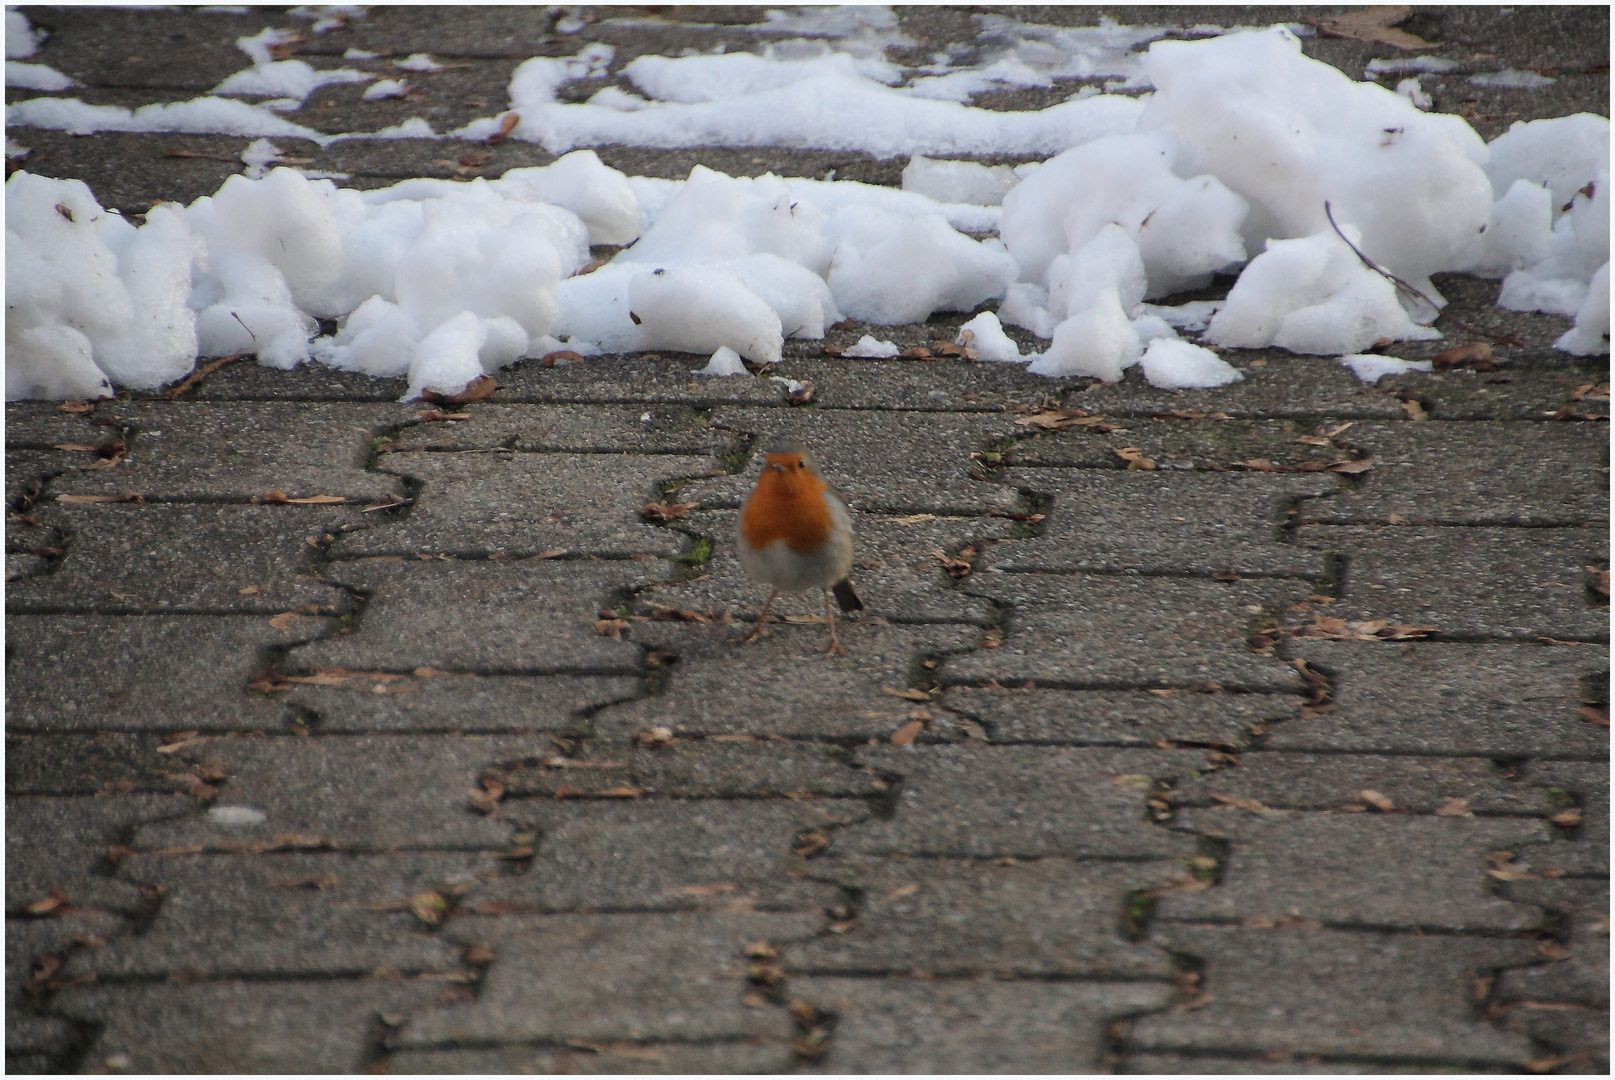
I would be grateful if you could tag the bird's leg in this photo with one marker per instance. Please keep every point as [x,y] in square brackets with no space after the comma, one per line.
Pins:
[835,648]
[763,615]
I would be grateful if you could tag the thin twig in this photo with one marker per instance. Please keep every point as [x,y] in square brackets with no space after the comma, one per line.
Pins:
[1441,313]
[199,374]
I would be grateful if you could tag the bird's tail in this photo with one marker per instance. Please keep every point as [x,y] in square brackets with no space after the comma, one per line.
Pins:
[846,597]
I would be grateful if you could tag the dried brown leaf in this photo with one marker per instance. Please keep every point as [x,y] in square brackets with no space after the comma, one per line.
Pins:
[507,124]
[481,387]
[1592,714]
[1135,458]
[1252,805]
[1376,25]
[907,694]
[905,735]
[665,511]
[552,358]
[653,738]
[1470,353]
[1567,819]
[1454,807]
[1376,800]
[1351,468]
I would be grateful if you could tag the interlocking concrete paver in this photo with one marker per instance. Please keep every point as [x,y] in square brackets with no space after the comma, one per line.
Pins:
[1486,583]
[522,505]
[233,1026]
[61,844]
[1118,717]
[1181,444]
[700,768]
[489,617]
[636,429]
[1391,871]
[139,673]
[1101,632]
[926,385]
[1439,698]
[366,793]
[987,801]
[1422,785]
[648,978]
[1409,997]
[1515,393]
[667,854]
[905,1026]
[1047,835]
[716,687]
[643,379]
[924,458]
[753,1057]
[895,569]
[198,560]
[231,451]
[1585,786]
[1276,385]
[285,915]
[92,764]
[468,704]
[953,917]
[1197,524]
[1480,473]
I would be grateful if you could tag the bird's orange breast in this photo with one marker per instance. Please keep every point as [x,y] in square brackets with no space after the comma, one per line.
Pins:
[789,506]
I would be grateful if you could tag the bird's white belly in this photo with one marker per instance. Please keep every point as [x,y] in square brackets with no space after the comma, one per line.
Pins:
[779,566]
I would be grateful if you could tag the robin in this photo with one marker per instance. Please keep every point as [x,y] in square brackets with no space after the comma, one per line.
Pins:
[796,533]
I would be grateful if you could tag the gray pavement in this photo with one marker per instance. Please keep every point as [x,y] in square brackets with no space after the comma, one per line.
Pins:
[1235,765]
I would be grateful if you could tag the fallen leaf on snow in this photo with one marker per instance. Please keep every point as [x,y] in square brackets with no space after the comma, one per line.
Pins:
[507,124]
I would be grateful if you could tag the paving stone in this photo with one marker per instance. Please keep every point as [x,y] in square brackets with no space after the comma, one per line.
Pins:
[1578,1038]
[646,855]
[1581,978]
[247,381]
[595,429]
[61,844]
[231,1026]
[1110,521]
[521,505]
[28,474]
[924,458]
[1097,632]
[1480,473]
[467,704]
[1514,393]
[1021,801]
[1172,443]
[974,1026]
[33,948]
[1475,582]
[926,385]
[92,764]
[365,792]
[1441,698]
[487,617]
[22,567]
[640,378]
[195,559]
[128,48]
[895,570]
[285,915]
[1278,1065]
[760,1056]
[1587,783]
[1356,870]
[1277,385]
[696,769]
[43,425]
[1117,717]
[782,684]
[1409,998]
[96,673]
[234,451]
[948,917]
[649,978]
[1421,785]
[35,1043]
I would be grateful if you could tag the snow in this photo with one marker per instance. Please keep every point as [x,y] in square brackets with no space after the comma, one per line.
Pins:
[1289,133]
[1433,65]
[1312,295]
[22,40]
[1171,364]
[386,88]
[986,335]
[871,347]
[1370,367]
[418,62]
[35,77]
[725,361]
[1512,79]
[1226,168]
